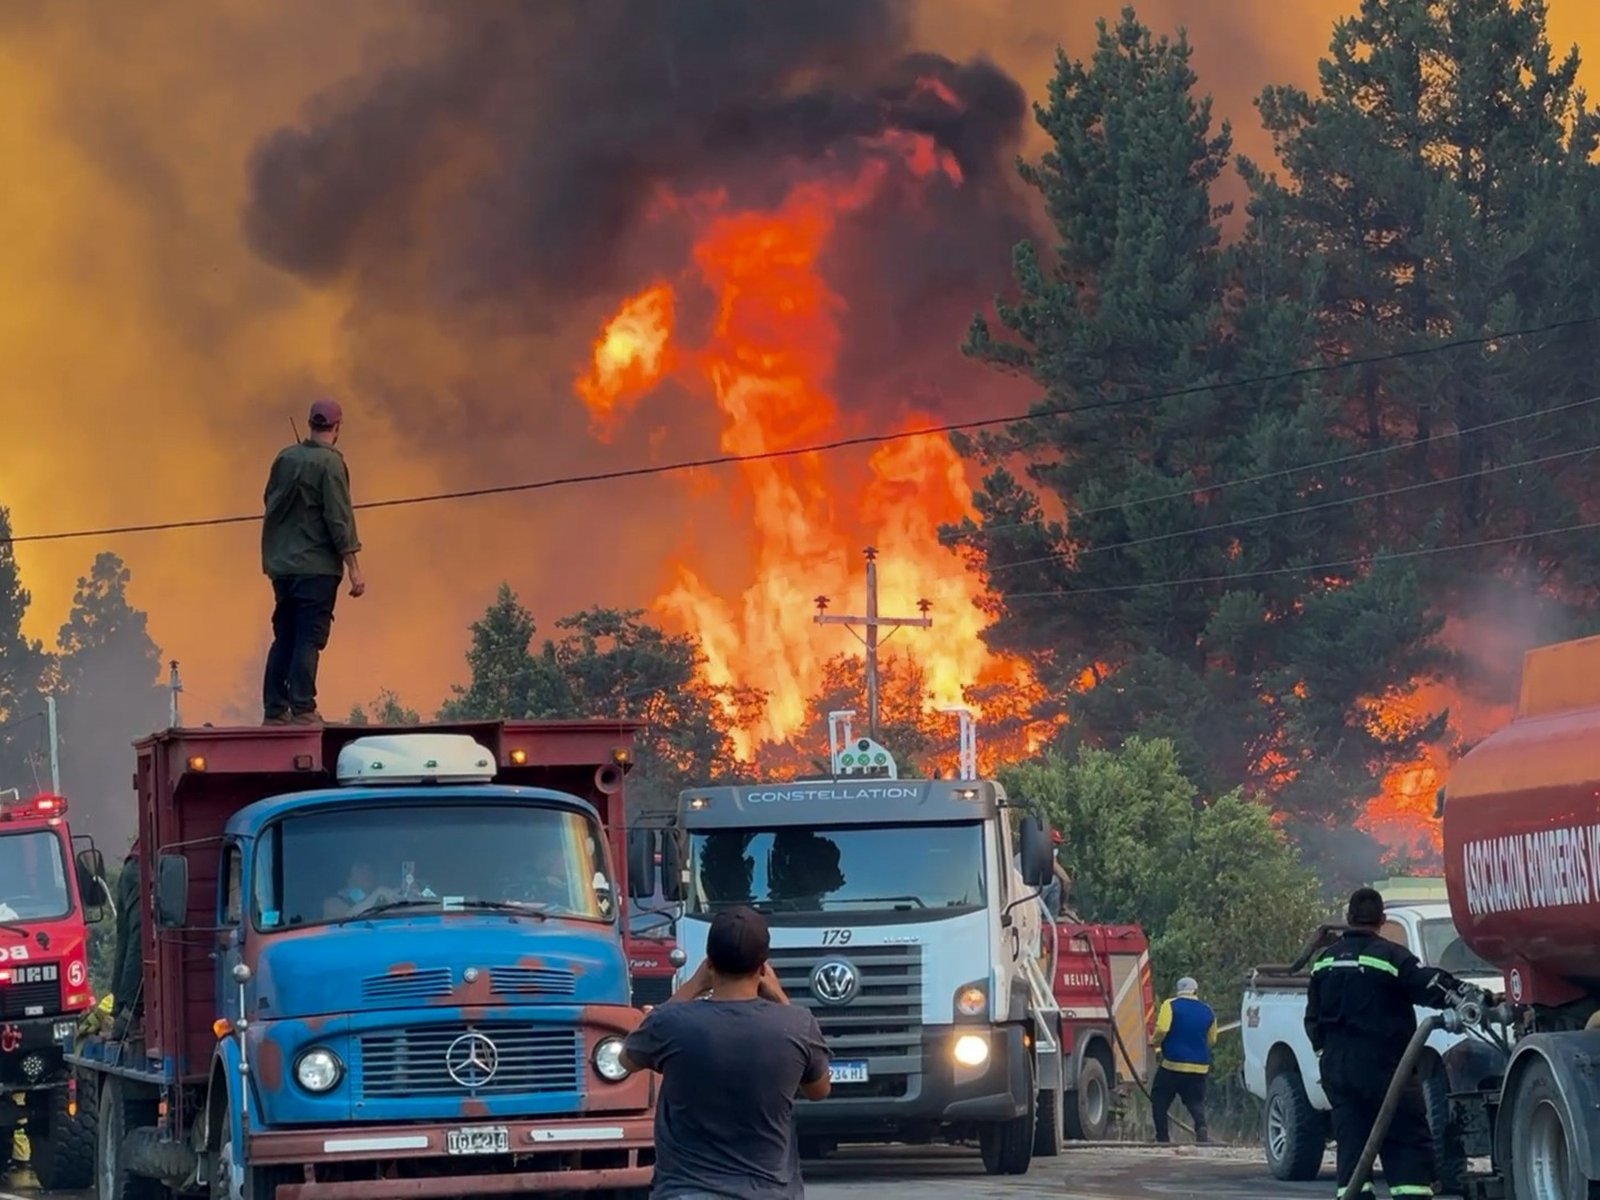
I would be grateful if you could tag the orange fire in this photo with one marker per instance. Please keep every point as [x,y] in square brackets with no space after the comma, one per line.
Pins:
[769,364]
[630,357]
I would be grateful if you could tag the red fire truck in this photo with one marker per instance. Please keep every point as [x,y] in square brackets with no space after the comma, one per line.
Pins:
[1102,983]
[46,896]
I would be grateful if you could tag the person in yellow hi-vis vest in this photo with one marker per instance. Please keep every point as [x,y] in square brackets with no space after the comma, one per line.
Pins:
[1186,1029]
[96,1019]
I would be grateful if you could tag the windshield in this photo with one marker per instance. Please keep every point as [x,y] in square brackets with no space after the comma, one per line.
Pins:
[449,854]
[1442,947]
[33,876]
[884,868]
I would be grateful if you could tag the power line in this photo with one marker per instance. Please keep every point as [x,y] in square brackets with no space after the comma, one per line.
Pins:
[1369,560]
[872,439]
[1293,512]
[18,722]
[1206,489]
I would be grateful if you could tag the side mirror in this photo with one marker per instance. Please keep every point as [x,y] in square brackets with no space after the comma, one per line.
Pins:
[172,891]
[641,863]
[1037,869]
[673,861]
[91,870]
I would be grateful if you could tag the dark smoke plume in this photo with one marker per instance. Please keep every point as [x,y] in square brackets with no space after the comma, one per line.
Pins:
[522,143]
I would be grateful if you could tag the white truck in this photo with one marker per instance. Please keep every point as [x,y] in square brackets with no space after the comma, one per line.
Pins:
[904,913]
[1281,1069]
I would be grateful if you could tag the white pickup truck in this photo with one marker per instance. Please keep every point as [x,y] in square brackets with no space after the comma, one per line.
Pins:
[1281,1069]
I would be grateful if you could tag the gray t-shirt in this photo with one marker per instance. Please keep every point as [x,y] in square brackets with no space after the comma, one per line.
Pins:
[730,1070]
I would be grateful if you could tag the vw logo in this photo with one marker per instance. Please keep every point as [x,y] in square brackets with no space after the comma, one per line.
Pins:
[472,1060]
[834,981]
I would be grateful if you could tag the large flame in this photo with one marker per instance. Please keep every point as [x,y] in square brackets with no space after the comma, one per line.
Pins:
[768,363]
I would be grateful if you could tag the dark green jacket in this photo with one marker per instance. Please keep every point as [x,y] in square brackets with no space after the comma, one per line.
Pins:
[309,525]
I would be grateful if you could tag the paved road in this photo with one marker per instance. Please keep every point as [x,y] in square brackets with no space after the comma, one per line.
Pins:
[1081,1173]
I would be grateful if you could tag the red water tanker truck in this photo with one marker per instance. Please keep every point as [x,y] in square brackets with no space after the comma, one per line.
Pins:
[1522,861]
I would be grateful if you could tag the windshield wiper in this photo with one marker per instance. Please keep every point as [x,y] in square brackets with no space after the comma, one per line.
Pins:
[390,906]
[520,908]
[20,930]
[827,900]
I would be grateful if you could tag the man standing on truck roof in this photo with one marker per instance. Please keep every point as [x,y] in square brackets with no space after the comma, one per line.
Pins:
[308,542]
[1186,1029]
[731,1065]
[1360,1014]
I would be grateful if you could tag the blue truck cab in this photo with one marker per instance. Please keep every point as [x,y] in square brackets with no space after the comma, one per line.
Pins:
[409,981]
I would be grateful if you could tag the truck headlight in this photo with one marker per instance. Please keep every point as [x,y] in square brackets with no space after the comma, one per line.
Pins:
[608,1060]
[318,1070]
[971,1050]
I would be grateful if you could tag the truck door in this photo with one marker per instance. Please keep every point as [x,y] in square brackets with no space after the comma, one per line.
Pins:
[230,918]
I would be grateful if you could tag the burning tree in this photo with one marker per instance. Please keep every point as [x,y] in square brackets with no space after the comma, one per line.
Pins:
[1110,530]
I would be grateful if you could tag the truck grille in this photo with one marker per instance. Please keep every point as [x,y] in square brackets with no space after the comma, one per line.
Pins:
[416,1061]
[881,1023]
[406,985]
[22,1000]
[537,981]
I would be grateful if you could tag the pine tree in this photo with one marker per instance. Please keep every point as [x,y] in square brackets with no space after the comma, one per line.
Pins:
[1444,174]
[108,683]
[23,664]
[507,679]
[1183,599]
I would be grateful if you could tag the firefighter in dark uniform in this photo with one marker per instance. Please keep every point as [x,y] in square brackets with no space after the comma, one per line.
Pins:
[1360,1015]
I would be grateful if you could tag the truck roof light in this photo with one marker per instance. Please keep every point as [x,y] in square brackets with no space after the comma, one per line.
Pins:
[415,758]
[36,806]
[197,762]
[699,802]
[518,757]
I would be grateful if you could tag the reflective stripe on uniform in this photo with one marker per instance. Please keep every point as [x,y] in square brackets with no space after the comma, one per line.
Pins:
[1410,1189]
[1366,960]
[1366,1190]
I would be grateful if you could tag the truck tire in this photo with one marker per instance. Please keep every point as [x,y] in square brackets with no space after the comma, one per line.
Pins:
[118,1112]
[63,1144]
[1007,1146]
[1088,1106]
[1294,1132]
[230,1181]
[1047,1127]
[1449,1153]
[1544,1165]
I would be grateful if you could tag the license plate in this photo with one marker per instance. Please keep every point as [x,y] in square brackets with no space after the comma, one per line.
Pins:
[847,1072]
[478,1139]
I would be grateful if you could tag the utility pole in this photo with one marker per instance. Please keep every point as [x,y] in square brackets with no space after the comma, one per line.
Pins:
[55,746]
[872,622]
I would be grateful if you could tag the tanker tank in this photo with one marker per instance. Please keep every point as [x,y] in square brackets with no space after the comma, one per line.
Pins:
[1522,835]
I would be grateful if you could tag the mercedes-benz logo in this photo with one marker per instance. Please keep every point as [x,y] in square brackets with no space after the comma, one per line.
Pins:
[472,1060]
[834,981]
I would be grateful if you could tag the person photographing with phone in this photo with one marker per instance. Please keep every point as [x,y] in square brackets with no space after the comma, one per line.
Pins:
[733,1054]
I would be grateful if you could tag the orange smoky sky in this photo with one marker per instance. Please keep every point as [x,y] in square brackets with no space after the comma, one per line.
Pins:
[150,356]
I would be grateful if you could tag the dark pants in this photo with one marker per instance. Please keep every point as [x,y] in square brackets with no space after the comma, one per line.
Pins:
[1356,1084]
[1188,1086]
[302,617]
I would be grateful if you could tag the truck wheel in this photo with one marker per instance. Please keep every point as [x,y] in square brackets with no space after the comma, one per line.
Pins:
[1088,1106]
[63,1144]
[1544,1165]
[1007,1146]
[1449,1154]
[1293,1132]
[117,1113]
[230,1181]
[1047,1128]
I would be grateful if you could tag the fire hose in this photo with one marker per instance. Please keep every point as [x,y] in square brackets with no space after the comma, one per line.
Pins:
[1466,1010]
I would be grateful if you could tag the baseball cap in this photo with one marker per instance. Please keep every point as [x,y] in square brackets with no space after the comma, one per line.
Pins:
[1187,986]
[325,414]
[737,941]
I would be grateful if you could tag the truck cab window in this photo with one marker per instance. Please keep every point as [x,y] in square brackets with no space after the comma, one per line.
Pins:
[397,860]
[33,878]
[232,900]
